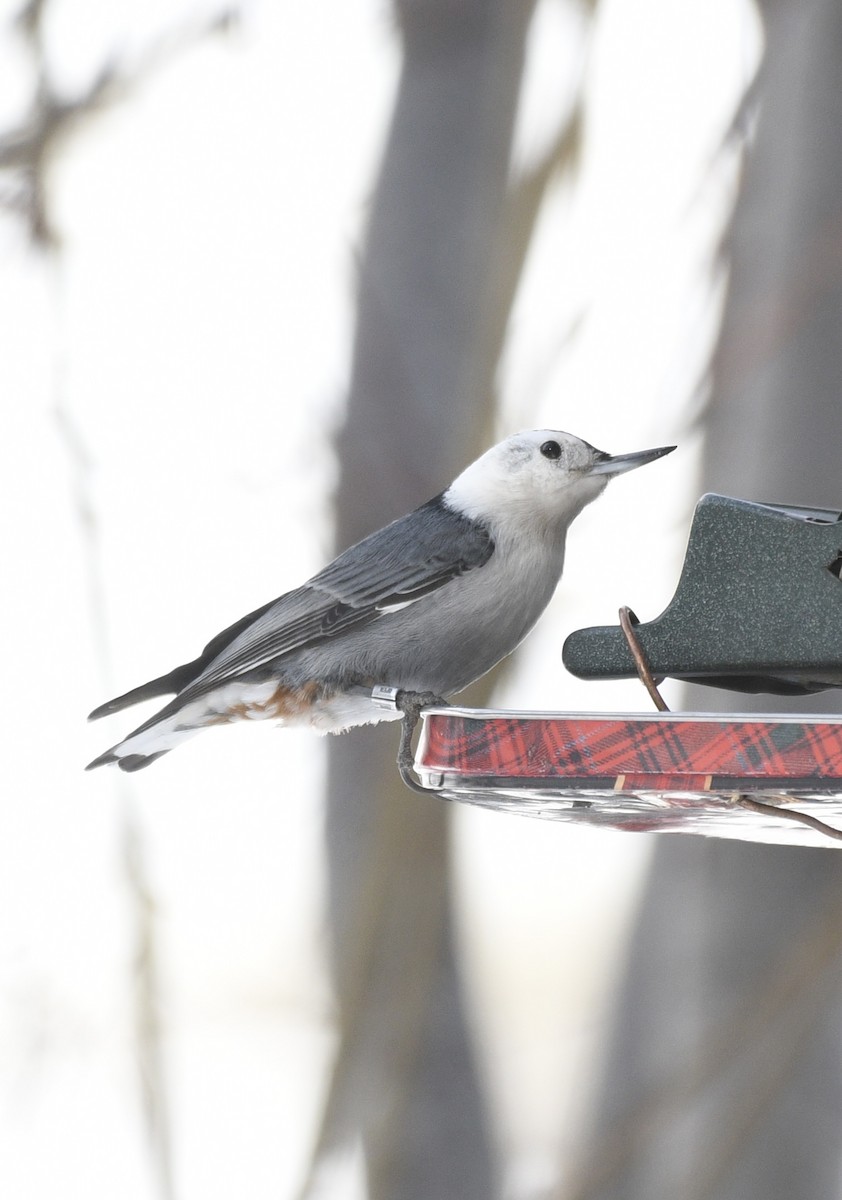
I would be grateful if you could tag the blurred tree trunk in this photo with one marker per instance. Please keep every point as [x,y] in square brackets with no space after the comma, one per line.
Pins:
[725,1075]
[427,339]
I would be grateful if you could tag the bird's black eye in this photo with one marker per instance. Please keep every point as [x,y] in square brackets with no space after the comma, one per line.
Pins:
[551,450]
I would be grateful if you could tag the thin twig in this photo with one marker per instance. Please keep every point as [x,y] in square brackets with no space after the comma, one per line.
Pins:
[627,623]
[791,814]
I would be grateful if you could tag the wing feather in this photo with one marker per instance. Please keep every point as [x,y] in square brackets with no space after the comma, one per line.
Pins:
[397,566]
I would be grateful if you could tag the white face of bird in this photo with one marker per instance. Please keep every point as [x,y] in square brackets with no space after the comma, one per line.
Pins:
[544,476]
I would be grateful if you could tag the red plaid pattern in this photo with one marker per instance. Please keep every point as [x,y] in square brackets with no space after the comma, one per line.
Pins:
[657,753]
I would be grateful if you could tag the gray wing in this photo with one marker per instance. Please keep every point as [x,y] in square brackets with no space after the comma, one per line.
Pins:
[390,569]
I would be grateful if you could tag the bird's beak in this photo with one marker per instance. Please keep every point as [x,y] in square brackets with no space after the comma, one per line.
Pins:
[616,464]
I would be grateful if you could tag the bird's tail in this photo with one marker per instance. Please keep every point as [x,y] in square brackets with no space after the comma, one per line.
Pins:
[183,717]
[164,685]
[126,762]
[174,724]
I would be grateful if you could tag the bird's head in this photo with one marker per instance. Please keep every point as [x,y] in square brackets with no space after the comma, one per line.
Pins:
[541,476]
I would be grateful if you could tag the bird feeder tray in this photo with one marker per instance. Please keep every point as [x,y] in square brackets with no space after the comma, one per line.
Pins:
[761,778]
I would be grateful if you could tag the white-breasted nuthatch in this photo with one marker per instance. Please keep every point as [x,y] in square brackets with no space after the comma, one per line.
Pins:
[426,605]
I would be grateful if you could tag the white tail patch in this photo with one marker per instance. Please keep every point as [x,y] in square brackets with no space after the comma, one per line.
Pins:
[232,702]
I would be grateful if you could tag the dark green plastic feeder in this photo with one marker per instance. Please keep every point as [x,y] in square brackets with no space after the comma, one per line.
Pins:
[758,607]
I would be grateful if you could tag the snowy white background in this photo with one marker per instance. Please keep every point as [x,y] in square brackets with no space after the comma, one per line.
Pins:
[171,379]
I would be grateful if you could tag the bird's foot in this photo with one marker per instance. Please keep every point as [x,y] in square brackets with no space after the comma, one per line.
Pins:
[411,704]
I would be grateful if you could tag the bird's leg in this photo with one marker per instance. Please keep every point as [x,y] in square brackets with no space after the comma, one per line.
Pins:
[411,705]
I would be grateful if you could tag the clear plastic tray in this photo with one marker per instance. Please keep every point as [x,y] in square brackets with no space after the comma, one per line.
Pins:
[765,778]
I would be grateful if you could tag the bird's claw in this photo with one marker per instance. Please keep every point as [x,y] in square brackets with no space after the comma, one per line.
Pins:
[411,704]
